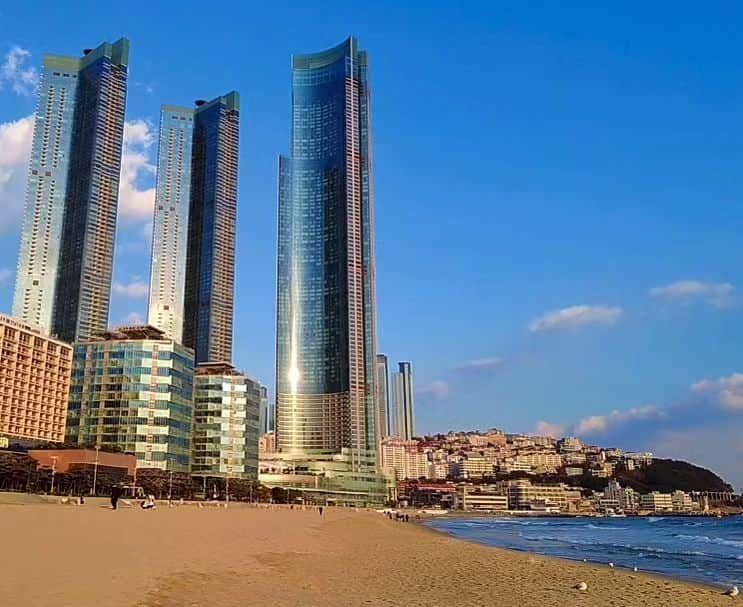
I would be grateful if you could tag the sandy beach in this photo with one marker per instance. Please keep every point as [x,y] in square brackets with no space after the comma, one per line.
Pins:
[187,556]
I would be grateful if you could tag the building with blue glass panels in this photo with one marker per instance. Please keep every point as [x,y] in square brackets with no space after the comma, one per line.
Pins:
[226,423]
[170,221]
[63,281]
[210,260]
[132,389]
[326,317]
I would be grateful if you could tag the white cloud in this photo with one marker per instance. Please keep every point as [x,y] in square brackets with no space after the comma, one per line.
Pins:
[15,150]
[136,202]
[552,430]
[13,72]
[576,316]
[134,318]
[482,364]
[437,389]
[133,290]
[596,424]
[5,275]
[726,392]
[716,293]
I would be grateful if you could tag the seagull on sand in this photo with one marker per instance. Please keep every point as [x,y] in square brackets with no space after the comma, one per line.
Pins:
[611,565]
[582,586]
[634,569]
[732,591]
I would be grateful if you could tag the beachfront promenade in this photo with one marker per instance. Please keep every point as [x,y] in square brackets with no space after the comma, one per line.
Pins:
[240,556]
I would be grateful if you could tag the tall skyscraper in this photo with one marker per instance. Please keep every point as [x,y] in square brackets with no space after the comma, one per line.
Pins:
[402,385]
[170,224]
[383,397]
[210,261]
[63,284]
[326,319]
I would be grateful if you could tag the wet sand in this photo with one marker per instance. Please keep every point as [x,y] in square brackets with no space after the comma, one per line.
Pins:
[187,556]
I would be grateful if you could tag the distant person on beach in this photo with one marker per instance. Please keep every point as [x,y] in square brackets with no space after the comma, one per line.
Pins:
[320,510]
[149,502]
[115,495]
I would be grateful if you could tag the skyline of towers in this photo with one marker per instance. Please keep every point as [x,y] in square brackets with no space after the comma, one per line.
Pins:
[65,264]
[210,259]
[404,401]
[326,308]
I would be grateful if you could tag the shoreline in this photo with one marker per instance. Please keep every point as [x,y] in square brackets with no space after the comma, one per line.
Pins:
[425,522]
[242,556]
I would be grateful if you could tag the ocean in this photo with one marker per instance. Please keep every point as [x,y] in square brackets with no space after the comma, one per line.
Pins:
[708,550]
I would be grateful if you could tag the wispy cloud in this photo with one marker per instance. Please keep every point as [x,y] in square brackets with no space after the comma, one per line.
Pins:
[133,290]
[482,364]
[15,150]
[576,316]
[136,201]
[133,318]
[553,430]
[597,424]
[437,390]
[719,294]
[727,392]
[14,72]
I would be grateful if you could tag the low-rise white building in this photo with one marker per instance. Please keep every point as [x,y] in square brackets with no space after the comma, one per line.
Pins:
[480,498]
[656,502]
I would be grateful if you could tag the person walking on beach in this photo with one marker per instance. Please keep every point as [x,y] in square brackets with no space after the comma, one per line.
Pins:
[320,510]
[115,495]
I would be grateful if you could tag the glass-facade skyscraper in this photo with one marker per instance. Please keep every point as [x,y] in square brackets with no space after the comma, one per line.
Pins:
[383,396]
[170,222]
[210,260]
[402,385]
[63,283]
[326,324]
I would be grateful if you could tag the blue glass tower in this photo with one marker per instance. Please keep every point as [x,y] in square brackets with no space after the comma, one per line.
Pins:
[73,190]
[83,282]
[210,260]
[326,316]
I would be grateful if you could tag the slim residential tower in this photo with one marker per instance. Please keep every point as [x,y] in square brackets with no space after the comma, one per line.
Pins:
[170,223]
[402,384]
[383,397]
[63,283]
[326,330]
[210,260]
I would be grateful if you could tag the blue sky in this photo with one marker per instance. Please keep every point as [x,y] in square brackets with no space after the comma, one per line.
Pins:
[558,196]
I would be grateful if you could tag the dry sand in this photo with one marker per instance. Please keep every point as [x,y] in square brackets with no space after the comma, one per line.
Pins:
[54,555]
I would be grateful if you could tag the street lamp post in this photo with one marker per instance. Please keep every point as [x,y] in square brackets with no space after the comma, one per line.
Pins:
[95,470]
[54,469]
[170,487]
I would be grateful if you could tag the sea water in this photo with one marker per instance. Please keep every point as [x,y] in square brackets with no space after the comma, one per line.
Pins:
[701,549]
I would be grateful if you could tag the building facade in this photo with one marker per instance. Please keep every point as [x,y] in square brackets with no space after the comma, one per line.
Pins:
[403,459]
[170,222]
[404,401]
[210,259]
[383,397]
[34,382]
[63,282]
[225,435]
[326,308]
[132,390]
